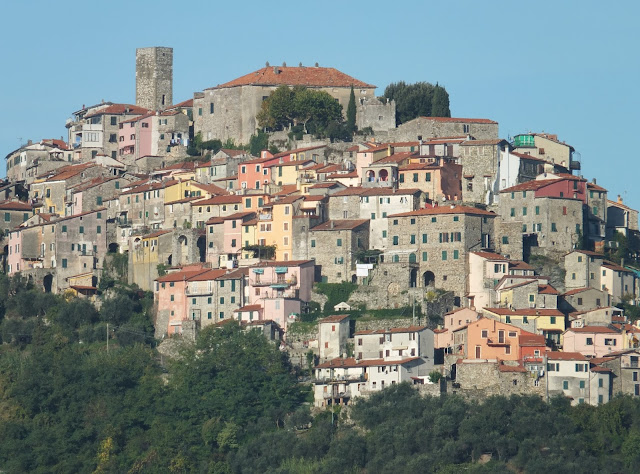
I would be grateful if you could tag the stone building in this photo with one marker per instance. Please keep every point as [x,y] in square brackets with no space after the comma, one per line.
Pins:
[625,372]
[334,246]
[32,159]
[480,160]
[228,111]
[583,299]
[12,214]
[437,127]
[439,179]
[374,204]
[95,130]
[154,77]
[549,210]
[394,343]
[333,333]
[621,218]
[589,269]
[436,240]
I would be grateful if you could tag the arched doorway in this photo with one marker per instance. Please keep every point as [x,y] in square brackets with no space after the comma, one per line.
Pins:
[113,247]
[428,279]
[47,282]
[182,250]
[383,175]
[202,247]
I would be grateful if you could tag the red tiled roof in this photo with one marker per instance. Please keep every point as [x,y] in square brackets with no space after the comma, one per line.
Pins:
[434,211]
[15,206]
[275,263]
[554,355]
[185,103]
[296,76]
[336,318]
[340,224]
[119,109]
[183,275]
[224,199]
[575,291]
[249,307]
[156,234]
[547,290]
[530,185]
[595,187]
[531,340]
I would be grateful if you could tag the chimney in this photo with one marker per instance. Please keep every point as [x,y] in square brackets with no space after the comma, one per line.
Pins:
[316,64]
[619,197]
[284,64]
[267,64]
[594,181]
[333,224]
[276,70]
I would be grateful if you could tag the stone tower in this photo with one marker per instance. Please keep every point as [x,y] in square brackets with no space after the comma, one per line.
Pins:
[154,77]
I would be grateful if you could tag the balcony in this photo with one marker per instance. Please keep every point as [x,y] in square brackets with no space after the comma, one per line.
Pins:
[276,283]
[340,379]
[498,342]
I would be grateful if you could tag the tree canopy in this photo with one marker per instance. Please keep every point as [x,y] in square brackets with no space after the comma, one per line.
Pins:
[316,112]
[421,99]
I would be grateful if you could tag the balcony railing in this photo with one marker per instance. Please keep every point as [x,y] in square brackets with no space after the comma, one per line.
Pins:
[275,282]
[340,379]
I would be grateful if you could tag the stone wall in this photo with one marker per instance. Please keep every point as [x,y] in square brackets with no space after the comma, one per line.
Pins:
[484,379]
[430,128]
[154,77]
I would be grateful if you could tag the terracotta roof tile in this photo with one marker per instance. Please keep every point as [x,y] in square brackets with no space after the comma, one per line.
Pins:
[458,119]
[296,76]
[434,211]
[119,109]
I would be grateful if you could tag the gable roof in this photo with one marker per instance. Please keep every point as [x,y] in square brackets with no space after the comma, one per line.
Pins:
[119,109]
[296,76]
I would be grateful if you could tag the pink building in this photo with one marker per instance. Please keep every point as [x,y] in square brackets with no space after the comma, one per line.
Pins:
[280,289]
[14,257]
[255,174]
[452,322]
[593,341]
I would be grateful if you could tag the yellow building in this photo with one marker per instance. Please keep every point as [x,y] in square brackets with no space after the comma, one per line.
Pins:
[549,322]
[275,225]
[283,174]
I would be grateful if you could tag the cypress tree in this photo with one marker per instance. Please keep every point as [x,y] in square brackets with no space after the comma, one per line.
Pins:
[351,113]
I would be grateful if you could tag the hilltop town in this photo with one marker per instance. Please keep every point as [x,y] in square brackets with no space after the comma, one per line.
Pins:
[433,252]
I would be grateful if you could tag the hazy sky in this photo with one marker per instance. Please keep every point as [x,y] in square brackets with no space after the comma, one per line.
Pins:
[570,68]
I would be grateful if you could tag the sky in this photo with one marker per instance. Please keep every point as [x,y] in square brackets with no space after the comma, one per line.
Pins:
[564,67]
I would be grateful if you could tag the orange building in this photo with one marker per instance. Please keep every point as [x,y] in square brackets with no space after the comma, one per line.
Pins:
[490,339]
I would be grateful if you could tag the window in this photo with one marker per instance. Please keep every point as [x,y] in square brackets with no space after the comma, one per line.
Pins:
[313,244]
[505,239]
[81,230]
[537,210]
[384,234]
[99,229]
[513,212]
[484,334]
[455,255]
[524,211]
[434,219]
[552,319]
[444,255]
[339,242]
[424,256]
[565,385]
[427,177]
[553,227]
[412,238]
[395,240]
[64,263]
[211,108]
[525,320]
[581,383]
